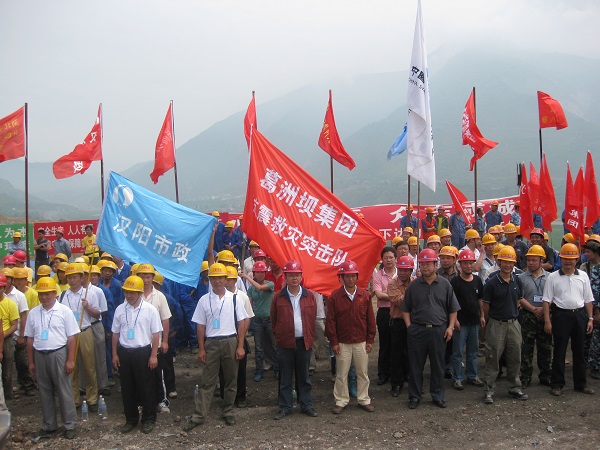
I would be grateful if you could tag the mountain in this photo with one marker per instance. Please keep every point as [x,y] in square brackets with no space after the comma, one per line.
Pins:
[370,111]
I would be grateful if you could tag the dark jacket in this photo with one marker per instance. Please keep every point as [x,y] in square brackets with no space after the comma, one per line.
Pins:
[350,322]
[282,318]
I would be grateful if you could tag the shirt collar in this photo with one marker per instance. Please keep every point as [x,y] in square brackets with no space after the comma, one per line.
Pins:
[561,273]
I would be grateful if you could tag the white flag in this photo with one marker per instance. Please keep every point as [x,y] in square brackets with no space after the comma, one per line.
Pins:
[421,162]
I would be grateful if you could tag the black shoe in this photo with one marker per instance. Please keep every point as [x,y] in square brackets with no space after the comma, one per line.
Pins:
[70,434]
[190,425]
[525,383]
[147,427]
[310,413]
[45,434]
[104,392]
[93,408]
[229,420]
[396,391]
[281,414]
[440,403]
[413,403]
[240,403]
[448,375]
[518,395]
[128,427]
[546,381]
[382,381]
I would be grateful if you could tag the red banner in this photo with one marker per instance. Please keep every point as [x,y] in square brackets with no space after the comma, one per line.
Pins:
[551,112]
[329,140]
[386,218]
[294,217]
[74,232]
[250,120]
[12,135]
[164,154]
[527,192]
[458,200]
[471,134]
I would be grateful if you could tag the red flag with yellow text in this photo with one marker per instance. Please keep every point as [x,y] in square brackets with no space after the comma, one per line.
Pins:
[551,113]
[293,216]
[329,139]
[12,135]
[164,154]
[471,134]
[574,204]
[80,159]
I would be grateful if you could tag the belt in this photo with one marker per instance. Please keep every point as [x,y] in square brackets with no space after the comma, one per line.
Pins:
[134,349]
[576,310]
[220,338]
[301,338]
[83,329]
[505,320]
[47,352]
[426,325]
[97,321]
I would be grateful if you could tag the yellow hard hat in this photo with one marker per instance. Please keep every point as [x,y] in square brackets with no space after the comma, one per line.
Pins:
[216,214]
[17,234]
[253,244]
[44,271]
[507,254]
[106,256]
[74,268]
[586,237]
[546,237]
[229,224]
[85,258]
[396,240]
[488,239]
[158,278]
[447,250]
[569,238]
[133,284]
[85,267]
[20,272]
[7,271]
[45,284]
[63,266]
[536,250]
[204,266]
[498,248]
[569,251]
[134,269]
[96,269]
[510,228]
[145,268]
[109,265]
[471,234]
[494,230]
[595,237]
[444,232]
[102,263]
[409,229]
[217,270]
[413,240]
[232,272]
[61,256]
[434,238]
[226,256]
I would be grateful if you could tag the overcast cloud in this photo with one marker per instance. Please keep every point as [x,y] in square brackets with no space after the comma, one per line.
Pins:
[65,57]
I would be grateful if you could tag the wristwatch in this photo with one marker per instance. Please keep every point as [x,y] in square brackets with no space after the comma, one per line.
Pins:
[590,318]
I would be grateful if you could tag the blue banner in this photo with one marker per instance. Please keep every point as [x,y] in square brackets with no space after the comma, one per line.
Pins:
[138,225]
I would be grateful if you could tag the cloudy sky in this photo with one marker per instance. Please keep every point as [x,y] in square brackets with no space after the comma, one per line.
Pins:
[64,57]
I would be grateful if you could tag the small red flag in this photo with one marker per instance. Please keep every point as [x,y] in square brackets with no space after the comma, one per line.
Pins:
[329,140]
[533,186]
[458,200]
[471,135]
[526,210]
[592,200]
[574,204]
[12,135]
[164,155]
[551,113]
[546,204]
[80,159]
[250,120]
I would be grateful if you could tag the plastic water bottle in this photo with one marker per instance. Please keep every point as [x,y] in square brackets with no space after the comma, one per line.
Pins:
[102,411]
[84,411]
[196,394]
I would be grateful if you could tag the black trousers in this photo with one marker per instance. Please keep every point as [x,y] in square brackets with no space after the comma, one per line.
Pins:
[568,324]
[398,353]
[137,382]
[159,381]
[294,362]
[169,371]
[423,342]
[383,327]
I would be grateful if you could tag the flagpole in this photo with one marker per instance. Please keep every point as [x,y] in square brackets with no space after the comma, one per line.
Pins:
[174,157]
[26,185]
[331,172]
[419,211]
[541,148]
[408,200]
[475,165]
[101,160]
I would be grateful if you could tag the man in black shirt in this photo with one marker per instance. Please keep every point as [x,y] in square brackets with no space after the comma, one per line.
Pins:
[468,289]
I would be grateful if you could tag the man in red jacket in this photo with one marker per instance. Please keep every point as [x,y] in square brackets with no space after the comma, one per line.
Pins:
[293,317]
[350,328]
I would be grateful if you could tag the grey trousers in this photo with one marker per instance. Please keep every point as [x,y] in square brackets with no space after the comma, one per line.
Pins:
[51,377]
[220,353]
[502,337]
[100,351]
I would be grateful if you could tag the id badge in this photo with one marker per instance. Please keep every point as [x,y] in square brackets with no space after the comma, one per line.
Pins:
[216,324]
[76,314]
[44,335]
[537,299]
[130,333]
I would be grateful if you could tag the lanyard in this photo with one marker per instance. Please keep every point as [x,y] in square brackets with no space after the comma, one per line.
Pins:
[221,309]
[42,319]
[78,301]
[537,285]
[136,317]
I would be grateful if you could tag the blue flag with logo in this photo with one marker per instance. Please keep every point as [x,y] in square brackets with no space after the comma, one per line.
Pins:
[399,146]
[139,225]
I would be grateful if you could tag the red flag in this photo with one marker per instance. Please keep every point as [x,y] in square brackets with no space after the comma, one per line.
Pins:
[471,134]
[80,159]
[533,187]
[546,204]
[526,210]
[592,200]
[295,217]
[329,140]
[551,113]
[574,204]
[12,135]
[164,155]
[459,200]
[250,120]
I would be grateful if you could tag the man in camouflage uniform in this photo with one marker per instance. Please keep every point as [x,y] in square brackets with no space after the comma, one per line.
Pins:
[531,318]
[592,268]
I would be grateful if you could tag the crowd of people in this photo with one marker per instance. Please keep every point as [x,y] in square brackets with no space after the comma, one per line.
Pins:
[74,324]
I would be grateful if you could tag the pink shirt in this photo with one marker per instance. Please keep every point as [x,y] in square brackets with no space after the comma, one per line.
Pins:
[380,283]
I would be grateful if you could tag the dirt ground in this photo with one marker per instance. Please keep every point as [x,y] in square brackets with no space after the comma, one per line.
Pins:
[567,422]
